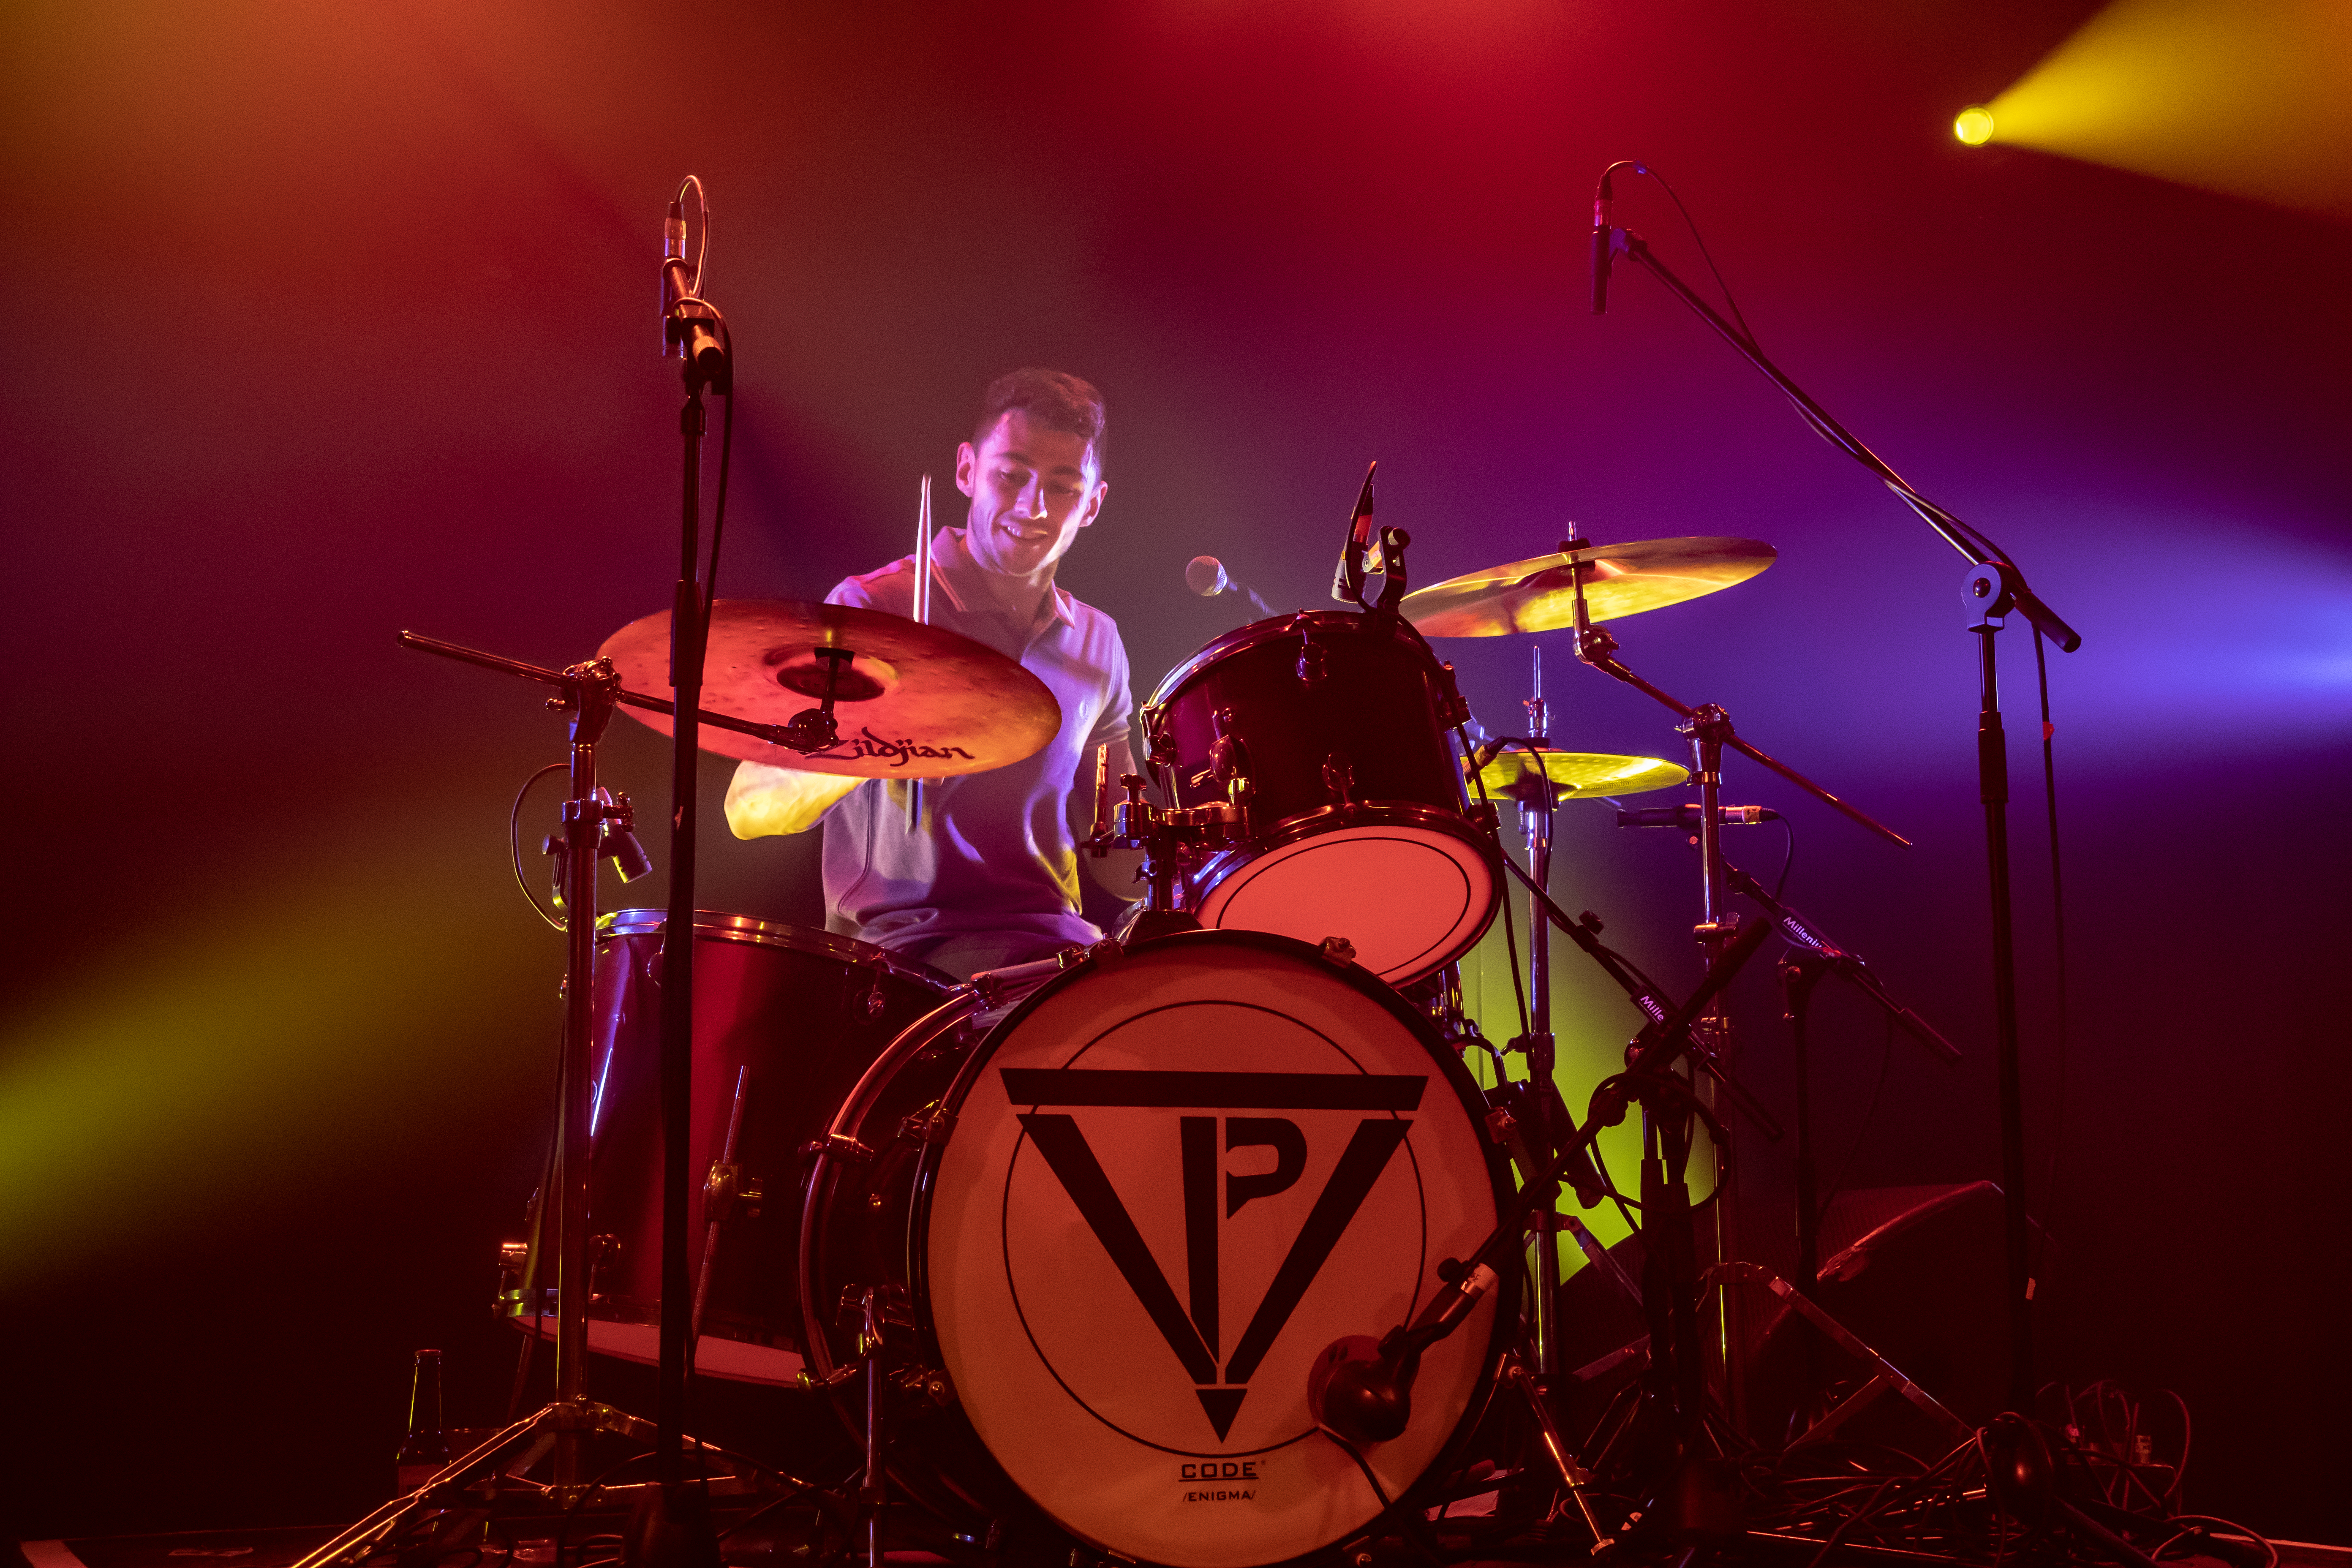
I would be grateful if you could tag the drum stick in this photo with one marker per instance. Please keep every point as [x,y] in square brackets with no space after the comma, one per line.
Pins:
[922,617]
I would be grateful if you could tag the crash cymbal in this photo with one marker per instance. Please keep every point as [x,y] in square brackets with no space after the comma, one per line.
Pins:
[1575,774]
[1534,595]
[913,701]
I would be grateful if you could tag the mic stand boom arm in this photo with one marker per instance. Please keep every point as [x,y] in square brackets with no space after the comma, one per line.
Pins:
[1950,529]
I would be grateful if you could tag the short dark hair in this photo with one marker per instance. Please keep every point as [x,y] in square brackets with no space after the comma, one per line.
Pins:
[1055,399]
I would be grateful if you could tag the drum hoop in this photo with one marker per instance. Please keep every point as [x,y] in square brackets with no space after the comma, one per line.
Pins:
[717,925]
[1368,813]
[1242,638]
[1449,1066]
[911,1041]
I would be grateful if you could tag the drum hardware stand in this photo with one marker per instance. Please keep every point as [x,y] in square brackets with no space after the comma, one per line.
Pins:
[1164,836]
[460,1495]
[1571,1476]
[1537,804]
[1364,1395]
[724,1193]
[1710,730]
[1992,588]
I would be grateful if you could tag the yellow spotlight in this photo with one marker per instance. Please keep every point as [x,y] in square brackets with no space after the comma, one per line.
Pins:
[1974,126]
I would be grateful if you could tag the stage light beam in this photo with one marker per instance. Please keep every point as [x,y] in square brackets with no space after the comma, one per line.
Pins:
[2252,101]
[1974,125]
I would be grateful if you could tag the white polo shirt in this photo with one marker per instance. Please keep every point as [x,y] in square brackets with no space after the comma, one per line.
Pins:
[991,877]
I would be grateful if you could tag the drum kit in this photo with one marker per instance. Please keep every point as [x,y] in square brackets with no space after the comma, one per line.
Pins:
[1200,1246]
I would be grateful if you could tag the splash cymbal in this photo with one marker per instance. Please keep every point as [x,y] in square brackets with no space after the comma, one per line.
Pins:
[1534,595]
[912,700]
[1577,773]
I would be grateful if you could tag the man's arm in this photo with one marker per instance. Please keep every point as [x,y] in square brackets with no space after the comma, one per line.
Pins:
[764,798]
[1116,872]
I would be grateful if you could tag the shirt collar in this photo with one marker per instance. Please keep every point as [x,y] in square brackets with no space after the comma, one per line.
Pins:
[954,569]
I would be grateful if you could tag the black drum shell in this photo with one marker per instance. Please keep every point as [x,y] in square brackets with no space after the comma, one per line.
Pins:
[1369,692]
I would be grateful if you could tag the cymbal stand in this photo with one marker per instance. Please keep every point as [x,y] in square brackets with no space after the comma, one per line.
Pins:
[463,1493]
[1538,802]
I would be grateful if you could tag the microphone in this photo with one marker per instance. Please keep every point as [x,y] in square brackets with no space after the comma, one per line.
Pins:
[689,321]
[1206,575]
[1689,817]
[1348,581]
[1604,246]
[1361,1388]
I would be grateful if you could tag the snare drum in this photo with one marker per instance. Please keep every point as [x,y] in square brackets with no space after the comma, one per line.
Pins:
[1105,1245]
[785,1021]
[1329,726]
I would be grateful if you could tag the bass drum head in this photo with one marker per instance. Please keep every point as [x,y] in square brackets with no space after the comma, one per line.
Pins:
[1410,893]
[1173,1180]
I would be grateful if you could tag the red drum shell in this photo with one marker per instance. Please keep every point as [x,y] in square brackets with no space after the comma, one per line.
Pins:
[806,1013]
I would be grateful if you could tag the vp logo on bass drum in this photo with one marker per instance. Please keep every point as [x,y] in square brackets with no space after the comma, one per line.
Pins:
[1192,1328]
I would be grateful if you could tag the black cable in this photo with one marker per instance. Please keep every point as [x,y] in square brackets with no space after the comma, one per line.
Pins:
[514,843]
[2197,1521]
[1704,254]
[1787,857]
[726,451]
[1406,1525]
[2058,951]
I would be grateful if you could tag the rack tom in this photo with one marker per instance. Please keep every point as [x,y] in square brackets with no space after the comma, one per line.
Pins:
[1330,727]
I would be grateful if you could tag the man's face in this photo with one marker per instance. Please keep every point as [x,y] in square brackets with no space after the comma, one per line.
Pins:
[1032,489]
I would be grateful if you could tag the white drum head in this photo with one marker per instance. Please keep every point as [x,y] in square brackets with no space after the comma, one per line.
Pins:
[1170,1186]
[1411,899]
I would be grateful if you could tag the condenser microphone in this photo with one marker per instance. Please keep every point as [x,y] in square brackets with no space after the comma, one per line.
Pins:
[1206,575]
[1689,817]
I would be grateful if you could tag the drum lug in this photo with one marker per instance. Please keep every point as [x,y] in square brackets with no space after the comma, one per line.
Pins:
[1500,1125]
[930,1125]
[929,1382]
[840,1146]
[1340,778]
[1452,711]
[1338,950]
[890,1311]
[727,1190]
[1313,670]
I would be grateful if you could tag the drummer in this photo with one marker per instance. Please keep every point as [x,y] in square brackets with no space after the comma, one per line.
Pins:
[989,874]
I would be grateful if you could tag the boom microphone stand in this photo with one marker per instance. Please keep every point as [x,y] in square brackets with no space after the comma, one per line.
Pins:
[1992,588]
[693,331]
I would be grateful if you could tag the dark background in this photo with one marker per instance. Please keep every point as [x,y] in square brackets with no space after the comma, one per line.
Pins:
[327,321]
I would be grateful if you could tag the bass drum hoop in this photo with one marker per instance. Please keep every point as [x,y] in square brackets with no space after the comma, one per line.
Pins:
[840,1134]
[1448,1066]
[1210,882]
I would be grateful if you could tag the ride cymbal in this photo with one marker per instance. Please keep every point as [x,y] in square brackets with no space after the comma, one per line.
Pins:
[1577,773]
[1534,594]
[912,702]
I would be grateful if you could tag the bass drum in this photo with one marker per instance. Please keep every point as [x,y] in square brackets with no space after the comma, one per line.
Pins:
[1112,1235]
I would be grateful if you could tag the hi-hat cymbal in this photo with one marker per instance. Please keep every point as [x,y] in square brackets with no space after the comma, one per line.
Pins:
[1577,773]
[1534,595]
[913,701]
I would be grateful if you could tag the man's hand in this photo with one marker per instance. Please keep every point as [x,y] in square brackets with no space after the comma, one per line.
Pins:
[765,799]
